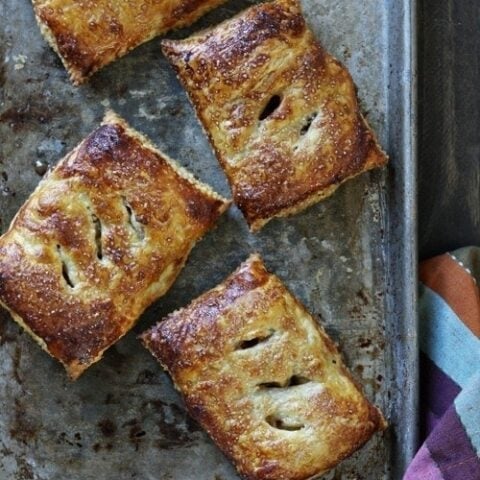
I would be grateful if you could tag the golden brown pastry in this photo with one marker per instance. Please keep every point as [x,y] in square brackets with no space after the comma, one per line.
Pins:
[263,378]
[281,113]
[104,235]
[88,35]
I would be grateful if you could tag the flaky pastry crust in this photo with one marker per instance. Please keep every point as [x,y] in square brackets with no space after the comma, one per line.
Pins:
[281,113]
[89,34]
[104,235]
[263,378]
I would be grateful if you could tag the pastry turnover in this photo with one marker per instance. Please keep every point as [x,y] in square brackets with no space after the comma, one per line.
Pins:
[263,378]
[88,34]
[103,235]
[281,113]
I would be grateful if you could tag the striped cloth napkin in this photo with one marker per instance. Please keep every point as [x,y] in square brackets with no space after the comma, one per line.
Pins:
[449,331]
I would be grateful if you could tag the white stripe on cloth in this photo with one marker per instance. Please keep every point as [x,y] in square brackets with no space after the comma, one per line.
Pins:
[446,340]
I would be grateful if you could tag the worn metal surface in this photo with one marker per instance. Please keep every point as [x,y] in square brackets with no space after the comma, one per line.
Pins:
[350,259]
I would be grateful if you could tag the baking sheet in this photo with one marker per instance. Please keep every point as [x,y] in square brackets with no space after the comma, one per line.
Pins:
[350,259]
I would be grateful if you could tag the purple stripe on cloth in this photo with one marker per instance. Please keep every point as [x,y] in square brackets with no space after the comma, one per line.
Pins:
[423,467]
[437,392]
[428,423]
[451,449]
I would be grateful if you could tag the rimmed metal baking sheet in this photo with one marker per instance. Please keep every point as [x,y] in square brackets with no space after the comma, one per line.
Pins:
[351,259]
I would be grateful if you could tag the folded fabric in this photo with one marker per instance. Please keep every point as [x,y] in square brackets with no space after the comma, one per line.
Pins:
[449,332]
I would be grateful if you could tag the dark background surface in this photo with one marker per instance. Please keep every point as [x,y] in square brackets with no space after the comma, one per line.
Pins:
[449,125]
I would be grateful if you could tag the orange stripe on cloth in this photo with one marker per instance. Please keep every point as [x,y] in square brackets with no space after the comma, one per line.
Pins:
[453,283]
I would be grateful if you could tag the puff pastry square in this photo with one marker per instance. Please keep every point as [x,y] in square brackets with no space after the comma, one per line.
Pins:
[263,378]
[281,113]
[104,235]
[88,35]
